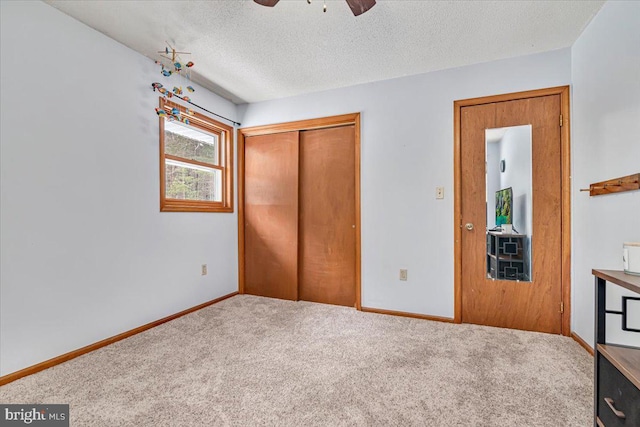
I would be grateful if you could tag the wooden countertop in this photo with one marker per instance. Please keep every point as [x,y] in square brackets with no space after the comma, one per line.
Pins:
[620,278]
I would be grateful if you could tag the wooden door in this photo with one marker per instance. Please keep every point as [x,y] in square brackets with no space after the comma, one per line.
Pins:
[271,215]
[534,305]
[327,239]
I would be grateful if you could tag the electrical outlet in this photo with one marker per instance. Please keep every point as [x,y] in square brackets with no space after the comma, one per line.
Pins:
[204,269]
[439,192]
[403,274]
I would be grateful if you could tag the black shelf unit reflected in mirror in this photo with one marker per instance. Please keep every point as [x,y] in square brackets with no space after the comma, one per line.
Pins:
[507,256]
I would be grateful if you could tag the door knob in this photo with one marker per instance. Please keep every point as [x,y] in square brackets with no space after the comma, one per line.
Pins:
[469,226]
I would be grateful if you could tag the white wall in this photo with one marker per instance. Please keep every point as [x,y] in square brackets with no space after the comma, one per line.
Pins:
[407,151]
[85,252]
[515,149]
[492,179]
[606,144]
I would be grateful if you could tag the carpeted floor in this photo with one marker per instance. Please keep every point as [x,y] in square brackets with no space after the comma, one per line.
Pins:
[251,361]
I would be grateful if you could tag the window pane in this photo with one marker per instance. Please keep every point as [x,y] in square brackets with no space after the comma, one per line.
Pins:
[189,182]
[190,143]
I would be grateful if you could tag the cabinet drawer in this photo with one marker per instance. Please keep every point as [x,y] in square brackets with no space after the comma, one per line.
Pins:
[625,396]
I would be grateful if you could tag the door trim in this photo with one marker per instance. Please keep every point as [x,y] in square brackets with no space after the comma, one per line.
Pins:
[301,125]
[565,161]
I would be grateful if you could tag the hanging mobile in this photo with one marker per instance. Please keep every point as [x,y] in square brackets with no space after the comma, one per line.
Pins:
[168,69]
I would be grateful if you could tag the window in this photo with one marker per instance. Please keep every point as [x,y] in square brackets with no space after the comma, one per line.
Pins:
[195,163]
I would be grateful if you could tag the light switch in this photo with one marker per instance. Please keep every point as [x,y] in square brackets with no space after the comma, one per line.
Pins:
[439,192]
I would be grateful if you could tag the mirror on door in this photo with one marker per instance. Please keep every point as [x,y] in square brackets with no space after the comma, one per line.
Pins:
[509,197]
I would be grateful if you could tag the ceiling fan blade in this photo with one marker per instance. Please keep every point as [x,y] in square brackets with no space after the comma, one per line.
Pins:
[358,7]
[269,3]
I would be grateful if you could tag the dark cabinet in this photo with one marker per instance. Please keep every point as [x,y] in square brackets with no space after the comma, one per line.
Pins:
[617,367]
[618,398]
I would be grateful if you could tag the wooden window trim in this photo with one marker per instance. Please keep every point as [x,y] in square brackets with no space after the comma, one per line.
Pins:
[225,136]
[193,162]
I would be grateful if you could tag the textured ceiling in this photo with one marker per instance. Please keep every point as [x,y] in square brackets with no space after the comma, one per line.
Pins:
[248,53]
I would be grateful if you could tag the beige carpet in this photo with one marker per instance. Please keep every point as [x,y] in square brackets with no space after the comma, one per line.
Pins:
[251,361]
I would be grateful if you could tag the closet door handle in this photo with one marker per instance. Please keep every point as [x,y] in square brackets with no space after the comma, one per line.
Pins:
[611,404]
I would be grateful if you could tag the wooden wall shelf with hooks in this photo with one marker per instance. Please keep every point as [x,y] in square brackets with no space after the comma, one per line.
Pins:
[616,185]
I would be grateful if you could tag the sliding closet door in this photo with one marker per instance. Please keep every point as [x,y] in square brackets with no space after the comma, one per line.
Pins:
[327,255]
[271,215]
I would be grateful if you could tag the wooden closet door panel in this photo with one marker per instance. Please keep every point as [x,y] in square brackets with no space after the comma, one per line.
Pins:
[271,215]
[327,216]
